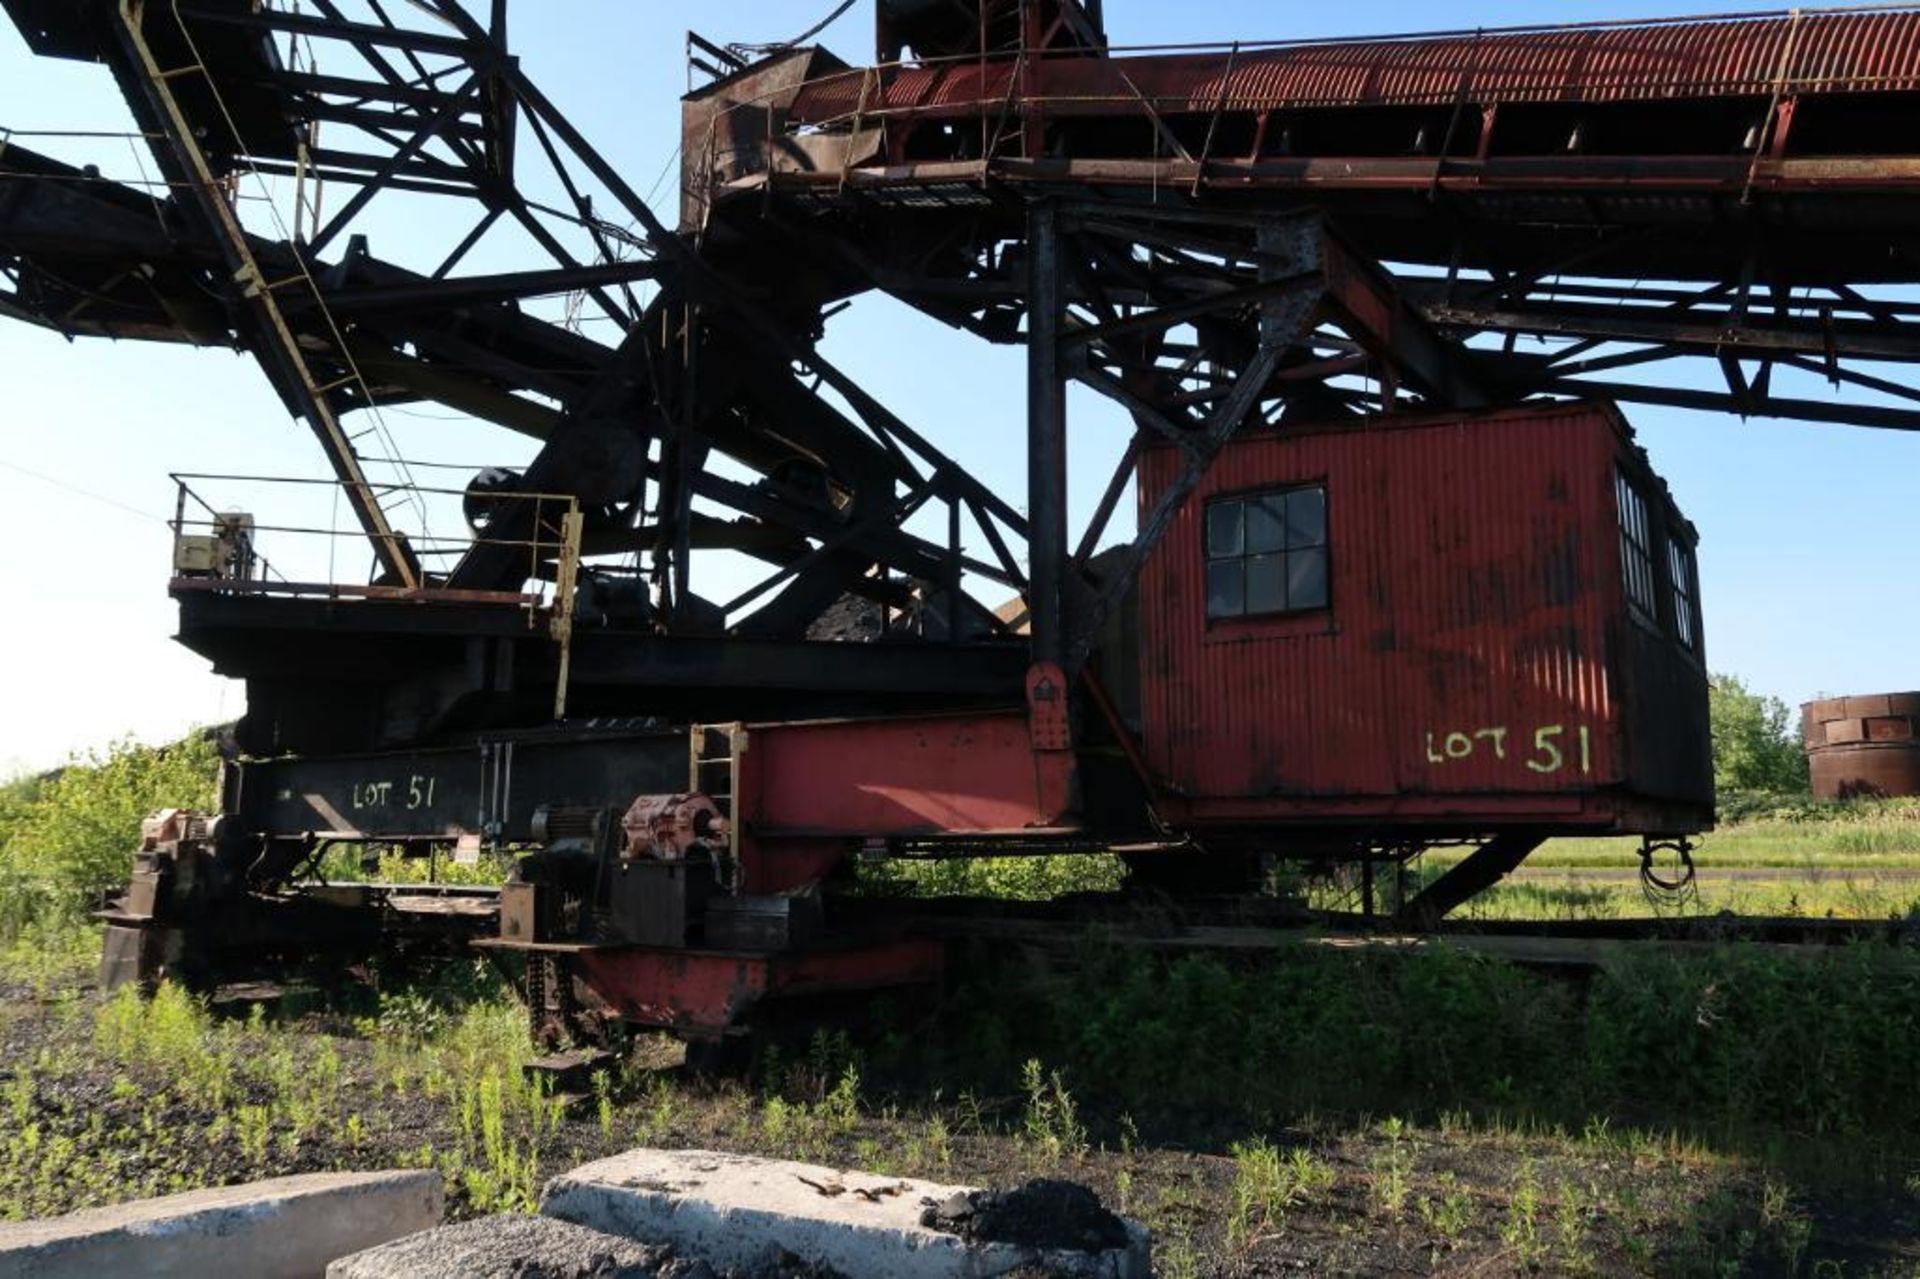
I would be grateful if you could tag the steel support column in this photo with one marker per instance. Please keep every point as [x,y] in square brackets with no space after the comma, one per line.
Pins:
[1046,439]
[1486,866]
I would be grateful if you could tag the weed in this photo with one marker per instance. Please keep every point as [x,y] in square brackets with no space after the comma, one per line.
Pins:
[603,1101]
[253,1125]
[776,1121]
[1392,1169]
[1050,1123]
[1521,1231]
[169,1038]
[937,1141]
[660,1110]
[1178,1259]
[1450,1214]
[1265,1186]
[1790,1227]
[840,1109]
[1570,1223]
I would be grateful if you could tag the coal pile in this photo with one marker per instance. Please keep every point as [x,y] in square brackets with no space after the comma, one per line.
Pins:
[1047,1214]
[852,620]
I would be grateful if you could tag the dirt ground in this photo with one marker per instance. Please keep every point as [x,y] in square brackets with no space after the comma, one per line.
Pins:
[89,1119]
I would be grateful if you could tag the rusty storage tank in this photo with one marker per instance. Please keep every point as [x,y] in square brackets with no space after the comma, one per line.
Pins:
[1864,746]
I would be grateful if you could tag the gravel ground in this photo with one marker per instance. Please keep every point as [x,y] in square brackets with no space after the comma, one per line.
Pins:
[510,1247]
[1342,1197]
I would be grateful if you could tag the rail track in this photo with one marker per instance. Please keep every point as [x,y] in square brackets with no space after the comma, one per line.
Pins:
[1272,926]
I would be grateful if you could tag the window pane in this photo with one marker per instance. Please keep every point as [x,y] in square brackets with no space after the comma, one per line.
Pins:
[1227,589]
[1680,569]
[1267,584]
[1636,549]
[1307,584]
[1267,524]
[1306,518]
[1225,534]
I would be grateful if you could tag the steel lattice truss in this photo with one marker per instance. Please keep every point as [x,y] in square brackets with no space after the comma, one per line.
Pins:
[1203,291]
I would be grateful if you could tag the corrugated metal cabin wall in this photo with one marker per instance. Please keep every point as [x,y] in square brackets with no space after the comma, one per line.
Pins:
[1665,717]
[1505,578]
[1474,572]
[1757,57]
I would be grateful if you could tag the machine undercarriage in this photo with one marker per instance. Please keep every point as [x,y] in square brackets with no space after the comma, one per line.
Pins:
[684,780]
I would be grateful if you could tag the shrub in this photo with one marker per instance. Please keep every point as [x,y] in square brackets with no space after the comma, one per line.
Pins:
[66,838]
[1741,1043]
[1755,745]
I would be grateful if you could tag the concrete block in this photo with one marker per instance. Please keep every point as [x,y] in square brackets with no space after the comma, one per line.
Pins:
[287,1228]
[734,1211]
[510,1247]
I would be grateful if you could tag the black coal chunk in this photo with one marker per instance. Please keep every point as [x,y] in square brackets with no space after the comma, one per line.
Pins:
[1045,1213]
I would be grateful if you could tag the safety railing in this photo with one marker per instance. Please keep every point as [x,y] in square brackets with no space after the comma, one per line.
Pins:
[220,550]
[229,556]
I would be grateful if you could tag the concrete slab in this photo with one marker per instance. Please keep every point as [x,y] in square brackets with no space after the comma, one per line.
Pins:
[510,1247]
[737,1212]
[287,1228]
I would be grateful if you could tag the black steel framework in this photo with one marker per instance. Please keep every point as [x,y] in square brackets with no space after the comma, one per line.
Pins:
[1200,303]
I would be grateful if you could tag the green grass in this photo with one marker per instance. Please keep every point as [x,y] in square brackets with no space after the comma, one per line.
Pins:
[1739,1044]
[1840,861]
[1844,895]
[1881,834]
[1007,878]
[347,863]
[1311,1112]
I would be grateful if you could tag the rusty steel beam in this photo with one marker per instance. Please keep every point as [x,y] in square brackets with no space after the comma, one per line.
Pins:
[1486,866]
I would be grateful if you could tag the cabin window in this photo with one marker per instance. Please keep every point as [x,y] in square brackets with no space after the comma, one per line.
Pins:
[1686,615]
[1636,551]
[1267,554]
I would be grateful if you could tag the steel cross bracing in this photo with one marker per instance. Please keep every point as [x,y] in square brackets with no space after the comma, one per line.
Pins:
[1582,205]
[1211,263]
[351,98]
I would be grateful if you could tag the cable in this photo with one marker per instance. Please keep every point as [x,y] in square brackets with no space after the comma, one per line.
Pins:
[802,38]
[1675,891]
[372,405]
[75,489]
[7,134]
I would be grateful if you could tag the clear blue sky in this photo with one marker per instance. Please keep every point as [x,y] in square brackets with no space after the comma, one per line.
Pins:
[1810,533]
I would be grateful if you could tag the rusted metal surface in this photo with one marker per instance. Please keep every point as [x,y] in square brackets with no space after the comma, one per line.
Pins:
[672,827]
[1863,747]
[1476,658]
[1752,57]
[704,993]
[932,775]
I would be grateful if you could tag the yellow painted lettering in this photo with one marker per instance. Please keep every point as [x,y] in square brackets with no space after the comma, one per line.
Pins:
[1547,756]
